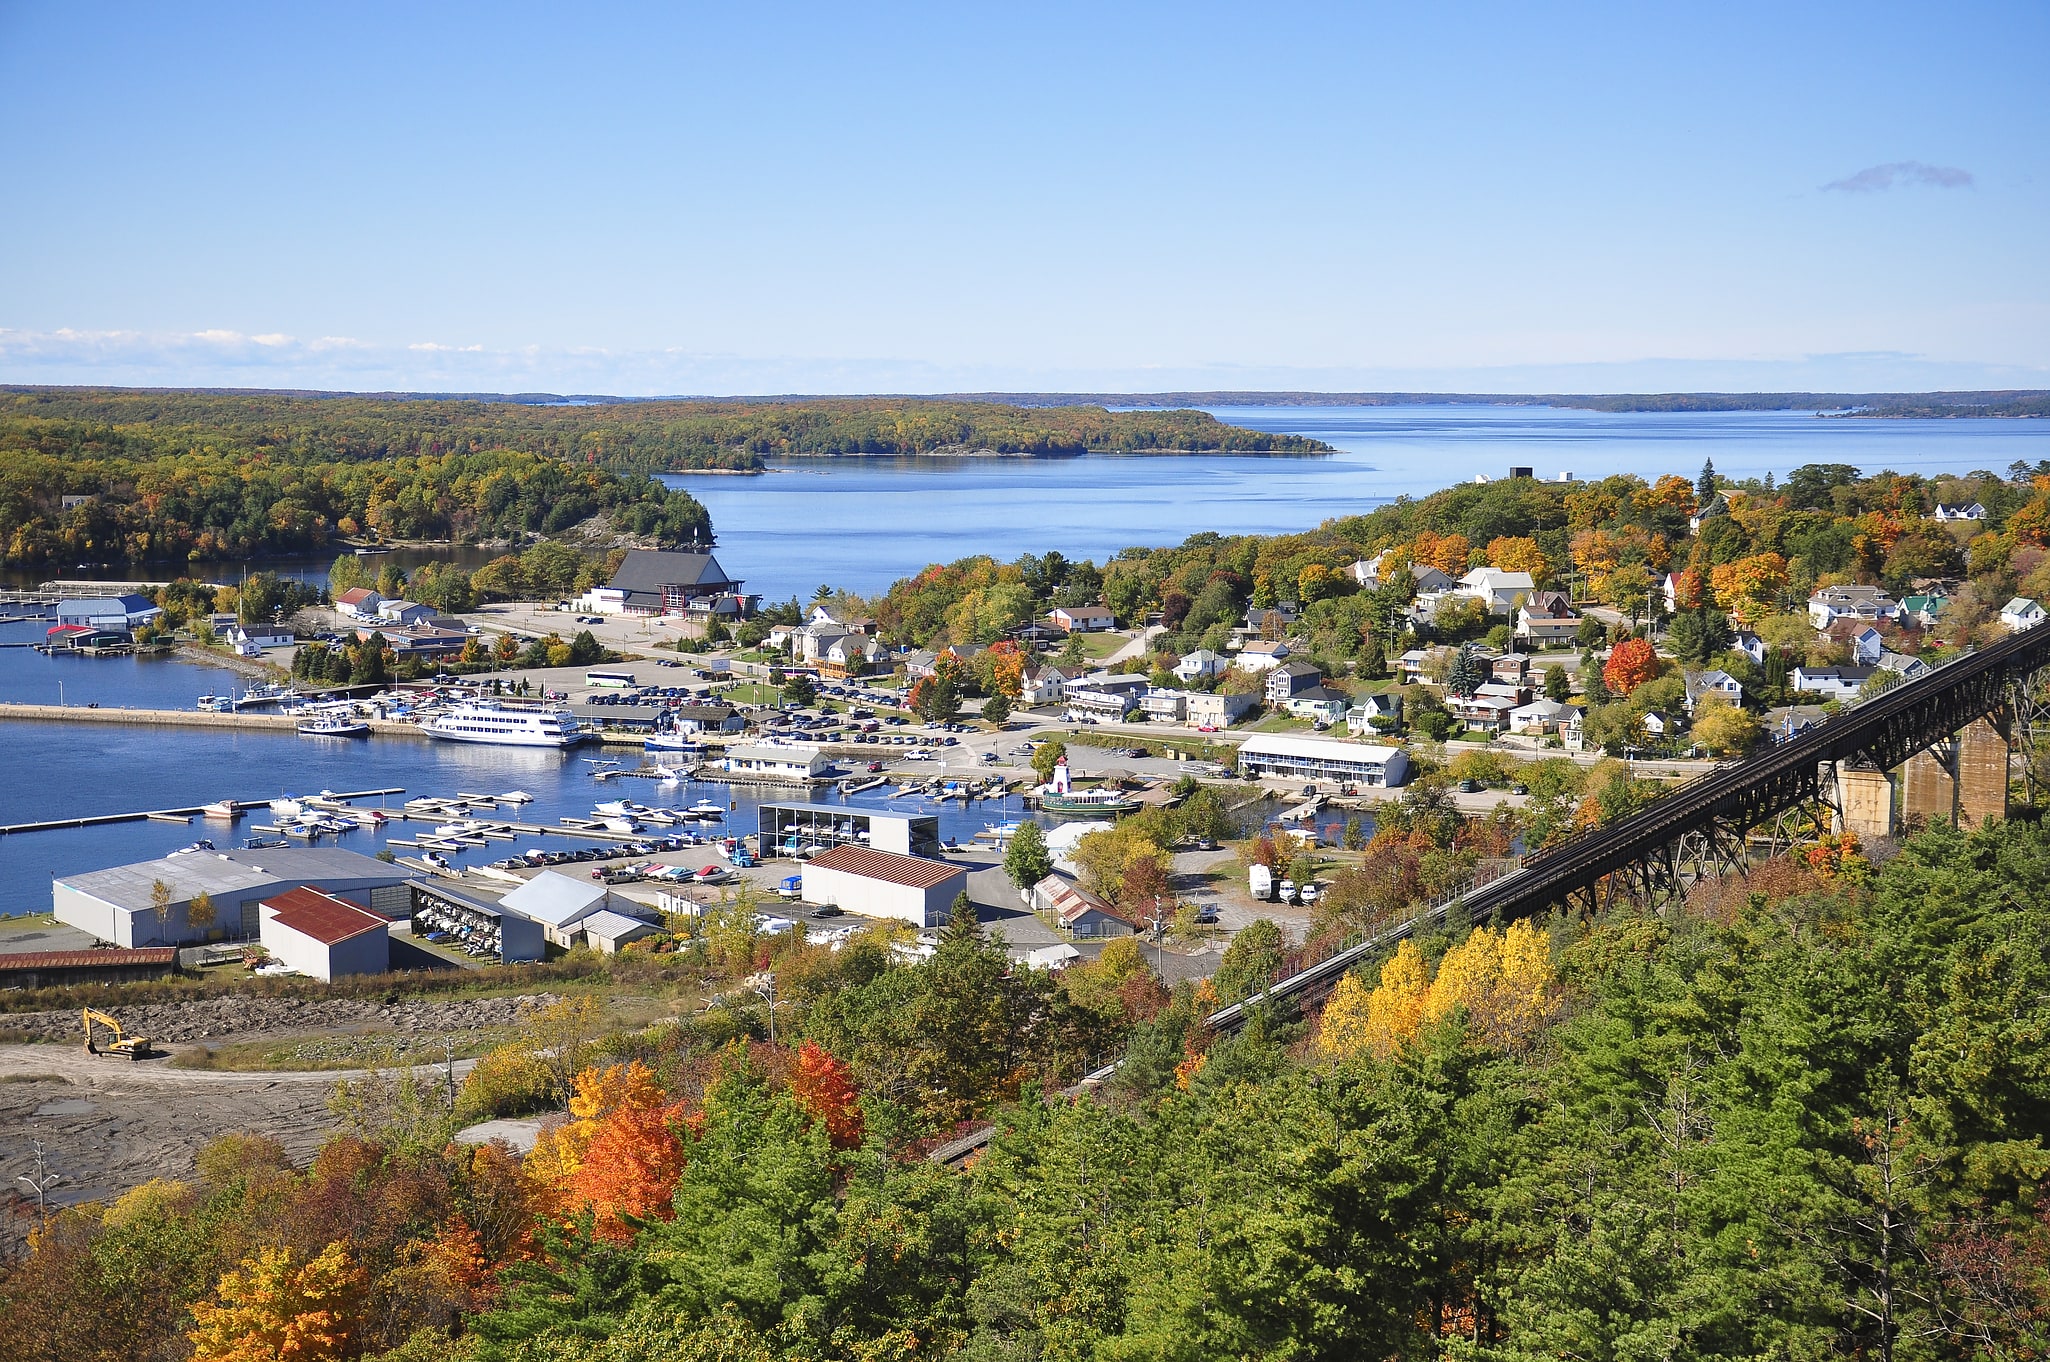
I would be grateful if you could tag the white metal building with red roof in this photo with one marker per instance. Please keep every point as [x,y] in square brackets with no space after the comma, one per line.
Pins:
[324,936]
[884,884]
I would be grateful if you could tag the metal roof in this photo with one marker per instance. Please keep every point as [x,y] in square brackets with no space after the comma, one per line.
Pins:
[325,918]
[93,959]
[1324,749]
[611,925]
[913,872]
[228,872]
[555,899]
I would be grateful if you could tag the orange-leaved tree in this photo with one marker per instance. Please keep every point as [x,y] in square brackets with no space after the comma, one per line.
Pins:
[1446,552]
[270,1309]
[1631,663]
[619,1155]
[824,1087]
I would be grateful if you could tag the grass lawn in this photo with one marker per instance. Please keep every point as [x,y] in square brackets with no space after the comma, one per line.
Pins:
[1096,647]
[1279,723]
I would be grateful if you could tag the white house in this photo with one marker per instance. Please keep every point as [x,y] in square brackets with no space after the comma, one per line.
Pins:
[324,937]
[1541,716]
[1261,655]
[1319,704]
[1075,908]
[1162,706]
[1200,664]
[1700,684]
[404,612]
[1385,705]
[1496,589]
[1104,697]
[1042,685]
[884,884]
[1081,619]
[1204,709]
[1972,512]
[359,603]
[1838,683]
[1367,571]
[2021,613]
[605,931]
[1833,603]
[1751,645]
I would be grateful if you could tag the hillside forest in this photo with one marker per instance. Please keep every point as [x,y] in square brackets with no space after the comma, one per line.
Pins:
[130,475]
[1800,1115]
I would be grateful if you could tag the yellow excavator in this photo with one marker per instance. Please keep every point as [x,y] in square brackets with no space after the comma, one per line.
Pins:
[135,1047]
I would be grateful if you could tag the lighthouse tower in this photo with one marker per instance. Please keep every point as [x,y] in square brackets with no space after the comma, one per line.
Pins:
[1059,784]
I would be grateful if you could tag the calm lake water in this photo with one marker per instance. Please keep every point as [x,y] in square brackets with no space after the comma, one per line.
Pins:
[860,524]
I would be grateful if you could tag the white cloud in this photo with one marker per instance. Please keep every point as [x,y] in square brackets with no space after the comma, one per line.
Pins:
[1878,179]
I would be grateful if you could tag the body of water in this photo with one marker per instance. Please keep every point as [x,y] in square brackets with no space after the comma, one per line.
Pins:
[859,524]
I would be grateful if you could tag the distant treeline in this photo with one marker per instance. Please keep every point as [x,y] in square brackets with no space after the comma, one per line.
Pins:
[628,436]
[2017,402]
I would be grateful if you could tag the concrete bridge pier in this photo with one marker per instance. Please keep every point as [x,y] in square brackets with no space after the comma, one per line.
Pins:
[1961,780]
[1864,801]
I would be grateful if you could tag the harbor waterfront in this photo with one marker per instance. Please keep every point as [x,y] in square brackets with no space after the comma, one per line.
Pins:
[116,768]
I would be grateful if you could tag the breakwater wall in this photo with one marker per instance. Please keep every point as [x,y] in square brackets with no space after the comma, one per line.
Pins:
[178,718]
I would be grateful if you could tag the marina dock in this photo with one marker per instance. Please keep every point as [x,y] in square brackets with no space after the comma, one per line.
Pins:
[165,815]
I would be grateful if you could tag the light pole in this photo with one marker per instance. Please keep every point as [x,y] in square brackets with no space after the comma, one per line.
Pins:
[60,695]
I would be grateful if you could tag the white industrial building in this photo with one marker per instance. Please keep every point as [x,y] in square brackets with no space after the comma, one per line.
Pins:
[122,905]
[883,884]
[1280,757]
[560,904]
[606,931]
[784,829]
[323,936]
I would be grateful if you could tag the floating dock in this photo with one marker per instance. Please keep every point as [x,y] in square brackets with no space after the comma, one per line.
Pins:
[163,815]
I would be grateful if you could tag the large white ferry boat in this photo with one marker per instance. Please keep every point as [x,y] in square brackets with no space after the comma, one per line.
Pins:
[505,725]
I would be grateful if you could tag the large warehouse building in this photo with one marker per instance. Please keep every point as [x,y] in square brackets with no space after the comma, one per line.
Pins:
[883,884]
[784,829]
[1282,757]
[151,903]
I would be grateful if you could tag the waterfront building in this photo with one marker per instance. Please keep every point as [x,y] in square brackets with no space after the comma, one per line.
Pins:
[666,582]
[124,612]
[122,905]
[560,904]
[782,829]
[795,762]
[1279,757]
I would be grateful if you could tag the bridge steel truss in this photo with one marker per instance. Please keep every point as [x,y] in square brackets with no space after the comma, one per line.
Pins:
[1706,825]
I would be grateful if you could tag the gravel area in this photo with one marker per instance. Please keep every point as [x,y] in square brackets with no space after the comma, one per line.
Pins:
[234,1018]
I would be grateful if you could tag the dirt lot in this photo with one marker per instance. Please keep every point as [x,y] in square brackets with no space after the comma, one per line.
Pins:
[109,1124]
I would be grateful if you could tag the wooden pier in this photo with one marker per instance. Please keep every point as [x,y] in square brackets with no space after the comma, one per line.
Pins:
[165,815]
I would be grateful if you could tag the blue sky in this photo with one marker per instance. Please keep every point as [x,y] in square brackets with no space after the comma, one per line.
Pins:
[786,198]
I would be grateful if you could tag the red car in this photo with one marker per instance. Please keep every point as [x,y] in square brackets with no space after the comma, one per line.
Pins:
[1207,728]
[875,766]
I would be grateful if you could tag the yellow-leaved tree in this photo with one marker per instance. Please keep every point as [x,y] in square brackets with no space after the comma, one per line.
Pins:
[270,1309]
[1502,981]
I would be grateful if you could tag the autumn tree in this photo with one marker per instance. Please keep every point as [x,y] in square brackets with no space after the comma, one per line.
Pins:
[824,1087]
[270,1310]
[200,913]
[1519,555]
[1725,729]
[1631,663]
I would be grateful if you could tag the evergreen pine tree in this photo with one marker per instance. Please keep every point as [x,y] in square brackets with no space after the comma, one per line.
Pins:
[1704,490]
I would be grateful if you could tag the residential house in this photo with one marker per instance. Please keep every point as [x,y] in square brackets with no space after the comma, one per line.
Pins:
[1482,713]
[1705,683]
[920,664]
[1790,721]
[1103,697]
[1571,732]
[1514,668]
[1498,590]
[1288,678]
[1268,621]
[1541,716]
[1907,668]
[359,603]
[1656,724]
[1200,665]
[1042,685]
[1367,571]
[1163,706]
[1504,690]
[2021,613]
[1385,706]
[1321,705]
[1081,619]
[250,639]
[1077,910]
[1718,505]
[1861,639]
[1867,603]
[1925,609]
[1413,665]
[1261,655]
[1429,580]
[1751,645]
[849,655]
[1205,709]
[1837,683]
[1972,512]
[695,719]
[1546,618]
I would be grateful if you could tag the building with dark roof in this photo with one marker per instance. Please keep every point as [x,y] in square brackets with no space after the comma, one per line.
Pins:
[669,582]
[51,969]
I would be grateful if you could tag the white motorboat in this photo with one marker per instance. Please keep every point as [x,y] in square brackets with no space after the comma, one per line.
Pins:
[516,797]
[707,808]
[220,808]
[287,807]
[335,727]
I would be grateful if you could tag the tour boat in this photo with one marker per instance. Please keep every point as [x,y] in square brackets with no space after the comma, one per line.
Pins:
[336,727]
[1088,802]
[481,721]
